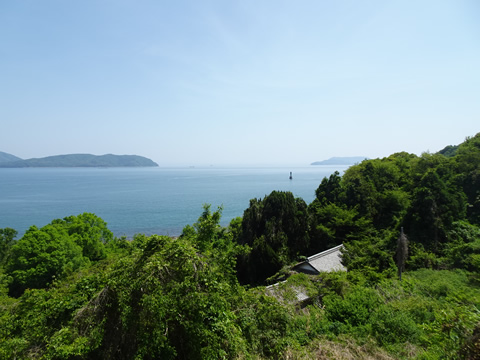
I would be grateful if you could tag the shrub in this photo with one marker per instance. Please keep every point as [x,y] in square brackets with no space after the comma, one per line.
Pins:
[354,309]
[391,326]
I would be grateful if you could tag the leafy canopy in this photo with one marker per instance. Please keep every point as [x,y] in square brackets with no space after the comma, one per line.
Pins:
[55,250]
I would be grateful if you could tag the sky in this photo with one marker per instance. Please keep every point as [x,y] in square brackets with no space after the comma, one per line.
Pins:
[263,82]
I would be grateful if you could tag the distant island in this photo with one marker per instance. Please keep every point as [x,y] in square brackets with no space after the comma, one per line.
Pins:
[352,160]
[5,157]
[76,160]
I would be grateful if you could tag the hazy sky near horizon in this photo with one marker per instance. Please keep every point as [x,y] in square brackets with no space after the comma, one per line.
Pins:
[238,82]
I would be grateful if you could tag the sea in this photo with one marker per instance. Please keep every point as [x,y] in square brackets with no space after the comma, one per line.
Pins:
[150,200]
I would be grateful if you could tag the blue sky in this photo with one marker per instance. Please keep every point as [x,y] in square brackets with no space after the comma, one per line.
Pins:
[238,82]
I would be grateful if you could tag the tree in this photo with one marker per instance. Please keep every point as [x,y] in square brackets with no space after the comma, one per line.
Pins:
[370,254]
[40,256]
[330,190]
[468,162]
[402,253]
[276,230]
[56,249]
[214,240]
[332,225]
[179,305]
[379,189]
[7,239]
[437,202]
[207,228]
[88,231]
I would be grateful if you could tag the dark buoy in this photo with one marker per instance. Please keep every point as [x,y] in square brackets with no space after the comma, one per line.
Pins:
[291,175]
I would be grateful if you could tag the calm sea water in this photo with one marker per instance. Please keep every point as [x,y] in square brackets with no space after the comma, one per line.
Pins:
[143,200]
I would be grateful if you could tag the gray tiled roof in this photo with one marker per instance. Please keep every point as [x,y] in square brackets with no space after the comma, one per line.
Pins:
[328,260]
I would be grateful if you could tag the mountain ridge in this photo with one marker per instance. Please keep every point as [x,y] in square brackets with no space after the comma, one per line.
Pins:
[81,160]
[346,160]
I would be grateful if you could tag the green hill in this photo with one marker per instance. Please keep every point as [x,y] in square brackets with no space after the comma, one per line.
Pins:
[82,160]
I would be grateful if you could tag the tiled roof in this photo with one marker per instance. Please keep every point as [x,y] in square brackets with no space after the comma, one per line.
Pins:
[328,260]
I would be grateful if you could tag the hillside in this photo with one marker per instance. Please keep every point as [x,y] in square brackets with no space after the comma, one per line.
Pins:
[82,160]
[5,157]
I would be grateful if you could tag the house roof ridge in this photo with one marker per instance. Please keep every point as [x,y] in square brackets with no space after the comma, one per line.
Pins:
[324,253]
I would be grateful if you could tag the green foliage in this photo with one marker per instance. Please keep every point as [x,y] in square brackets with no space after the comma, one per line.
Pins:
[434,208]
[427,195]
[32,323]
[332,225]
[265,324]
[468,163]
[7,239]
[419,258]
[208,227]
[330,190]
[90,232]
[175,307]
[180,304]
[377,188]
[433,311]
[390,326]
[380,188]
[213,240]
[373,255]
[401,253]
[463,250]
[118,245]
[276,230]
[353,309]
[56,250]
[40,256]
[449,151]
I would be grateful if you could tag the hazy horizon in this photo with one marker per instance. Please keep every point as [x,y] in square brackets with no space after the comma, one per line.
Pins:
[238,83]
[227,165]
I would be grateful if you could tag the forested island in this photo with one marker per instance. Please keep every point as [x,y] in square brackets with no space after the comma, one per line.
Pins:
[77,160]
[410,229]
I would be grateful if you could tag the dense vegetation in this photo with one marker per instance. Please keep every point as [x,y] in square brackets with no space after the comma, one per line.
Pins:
[71,290]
